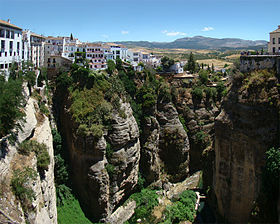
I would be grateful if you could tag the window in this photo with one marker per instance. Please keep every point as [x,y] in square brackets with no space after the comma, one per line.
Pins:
[2,33]
[11,46]
[12,34]
[6,54]
[2,45]
[17,46]
[279,40]
[273,49]
[1,66]
[6,65]
[49,60]
[7,33]
[273,40]
[53,60]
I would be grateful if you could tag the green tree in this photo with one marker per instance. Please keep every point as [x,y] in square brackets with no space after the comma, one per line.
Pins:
[11,102]
[111,66]
[166,63]
[203,76]
[190,66]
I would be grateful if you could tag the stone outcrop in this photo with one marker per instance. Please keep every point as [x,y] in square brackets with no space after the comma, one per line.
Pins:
[165,145]
[44,206]
[247,126]
[103,183]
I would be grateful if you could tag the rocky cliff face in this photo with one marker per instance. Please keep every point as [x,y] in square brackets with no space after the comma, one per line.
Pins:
[103,180]
[247,126]
[43,209]
[199,117]
[165,145]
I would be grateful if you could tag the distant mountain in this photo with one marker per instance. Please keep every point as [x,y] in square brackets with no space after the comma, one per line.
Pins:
[200,42]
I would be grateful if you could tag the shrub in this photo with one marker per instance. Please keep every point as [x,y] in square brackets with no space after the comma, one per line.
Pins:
[41,151]
[183,209]
[43,160]
[110,169]
[203,76]
[145,200]
[197,93]
[20,184]
[201,138]
[183,122]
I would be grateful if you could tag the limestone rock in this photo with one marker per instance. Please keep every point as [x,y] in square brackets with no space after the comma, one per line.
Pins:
[244,130]
[101,190]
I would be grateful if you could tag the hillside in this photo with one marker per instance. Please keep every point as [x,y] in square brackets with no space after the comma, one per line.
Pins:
[200,42]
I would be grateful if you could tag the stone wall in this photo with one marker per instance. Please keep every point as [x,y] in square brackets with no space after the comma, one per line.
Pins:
[259,62]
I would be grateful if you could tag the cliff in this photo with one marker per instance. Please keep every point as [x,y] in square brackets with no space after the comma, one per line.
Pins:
[165,146]
[104,180]
[246,128]
[15,208]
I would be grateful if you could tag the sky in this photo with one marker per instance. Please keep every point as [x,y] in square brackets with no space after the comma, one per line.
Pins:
[145,20]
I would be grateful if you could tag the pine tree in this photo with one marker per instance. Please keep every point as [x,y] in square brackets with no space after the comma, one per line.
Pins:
[71,37]
[191,63]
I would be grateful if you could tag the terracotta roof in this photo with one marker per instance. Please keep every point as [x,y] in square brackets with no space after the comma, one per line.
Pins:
[277,30]
[5,23]
[93,45]
[37,35]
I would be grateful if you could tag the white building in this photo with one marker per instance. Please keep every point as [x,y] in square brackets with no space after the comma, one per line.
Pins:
[119,51]
[11,44]
[33,48]
[177,68]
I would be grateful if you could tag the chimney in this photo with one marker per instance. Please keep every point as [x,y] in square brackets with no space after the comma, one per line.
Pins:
[9,21]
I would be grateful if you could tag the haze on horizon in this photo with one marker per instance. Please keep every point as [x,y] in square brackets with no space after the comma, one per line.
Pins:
[147,20]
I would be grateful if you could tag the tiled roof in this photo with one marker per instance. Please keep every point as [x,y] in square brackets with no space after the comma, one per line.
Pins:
[5,23]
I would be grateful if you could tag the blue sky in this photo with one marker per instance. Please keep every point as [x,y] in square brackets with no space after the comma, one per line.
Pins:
[152,20]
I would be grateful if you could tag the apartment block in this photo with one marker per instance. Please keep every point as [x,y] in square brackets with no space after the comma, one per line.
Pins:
[33,48]
[11,44]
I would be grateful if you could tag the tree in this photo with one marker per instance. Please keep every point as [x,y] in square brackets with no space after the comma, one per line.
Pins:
[166,63]
[71,37]
[111,66]
[190,66]
[213,69]
[11,100]
[203,77]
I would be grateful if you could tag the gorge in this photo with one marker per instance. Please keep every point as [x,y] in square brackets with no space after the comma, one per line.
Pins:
[127,135]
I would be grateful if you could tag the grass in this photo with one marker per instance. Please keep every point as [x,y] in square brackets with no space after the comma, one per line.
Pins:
[71,213]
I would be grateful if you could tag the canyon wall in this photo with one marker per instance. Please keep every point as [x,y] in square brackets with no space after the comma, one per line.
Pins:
[43,209]
[246,128]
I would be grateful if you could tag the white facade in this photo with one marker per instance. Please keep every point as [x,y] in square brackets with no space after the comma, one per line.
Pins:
[177,68]
[119,51]
[33,48]
[11,44]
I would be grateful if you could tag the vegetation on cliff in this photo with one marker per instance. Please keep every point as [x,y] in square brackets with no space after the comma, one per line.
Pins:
[11,96]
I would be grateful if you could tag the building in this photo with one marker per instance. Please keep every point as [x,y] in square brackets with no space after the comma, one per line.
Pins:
[33,48]
[274,44]
[95,56]
[177,68]
[11,44]
[119,51]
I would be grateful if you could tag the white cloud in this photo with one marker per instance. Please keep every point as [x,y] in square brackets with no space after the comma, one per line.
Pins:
[207,28]
[173,33]
[124,32]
